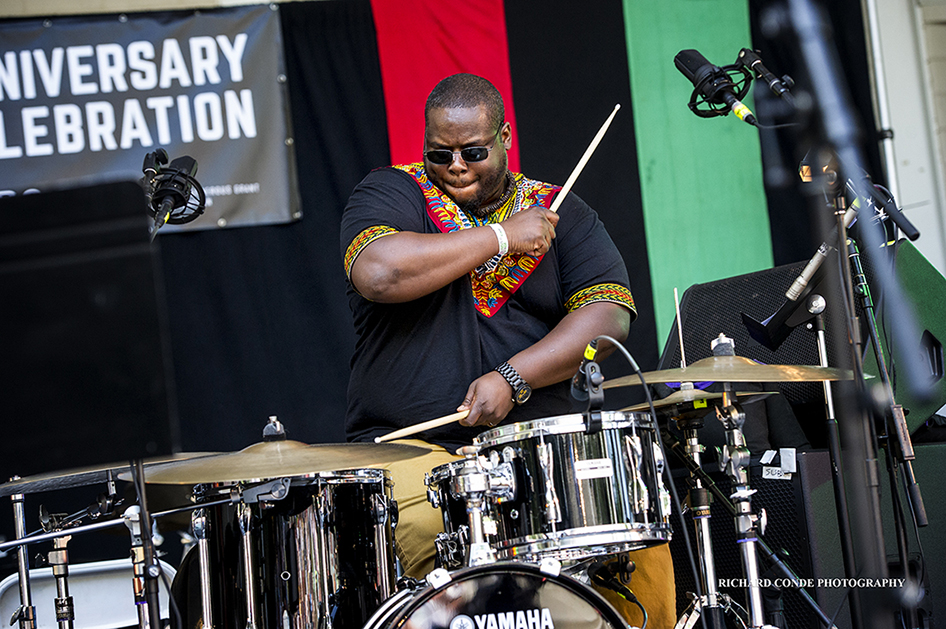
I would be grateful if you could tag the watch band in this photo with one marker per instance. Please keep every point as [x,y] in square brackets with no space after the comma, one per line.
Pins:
[520,388]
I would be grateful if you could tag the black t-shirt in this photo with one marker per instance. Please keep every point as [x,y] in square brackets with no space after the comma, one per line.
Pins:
[414,361]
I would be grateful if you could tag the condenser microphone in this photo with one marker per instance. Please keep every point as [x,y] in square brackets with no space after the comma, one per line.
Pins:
[713,84]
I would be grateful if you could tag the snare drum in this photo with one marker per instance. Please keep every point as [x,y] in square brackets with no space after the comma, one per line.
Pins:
[509,595]
[292,553]
[579,495]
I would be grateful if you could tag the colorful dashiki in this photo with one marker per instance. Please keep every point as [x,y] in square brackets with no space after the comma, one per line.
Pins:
[497,279]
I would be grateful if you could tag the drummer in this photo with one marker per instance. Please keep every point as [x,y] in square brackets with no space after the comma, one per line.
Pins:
[469,294]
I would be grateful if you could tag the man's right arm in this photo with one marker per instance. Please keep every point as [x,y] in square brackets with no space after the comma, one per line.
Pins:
[406,265]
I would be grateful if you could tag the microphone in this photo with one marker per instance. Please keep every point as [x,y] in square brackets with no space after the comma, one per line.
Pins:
[588,372]
[752,60]
[795,290]
[177,197]
[173,189]
[714,85]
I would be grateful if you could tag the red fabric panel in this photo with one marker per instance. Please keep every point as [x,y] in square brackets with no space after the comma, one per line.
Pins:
[422,41]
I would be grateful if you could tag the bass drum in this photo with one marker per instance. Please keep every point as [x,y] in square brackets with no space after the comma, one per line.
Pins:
[510,595]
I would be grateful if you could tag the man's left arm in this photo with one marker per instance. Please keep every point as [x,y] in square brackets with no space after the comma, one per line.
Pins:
[553,359]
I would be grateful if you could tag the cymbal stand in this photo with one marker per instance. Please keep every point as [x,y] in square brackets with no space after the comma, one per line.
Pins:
[676,447]
[734,461]
[58,560]
[26,613]
[698,500]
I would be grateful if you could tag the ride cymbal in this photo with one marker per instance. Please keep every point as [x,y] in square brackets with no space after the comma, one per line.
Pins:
[279,459]
[734,369]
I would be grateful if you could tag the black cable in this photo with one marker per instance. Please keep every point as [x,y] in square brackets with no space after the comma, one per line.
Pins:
[667,474]
[172,604]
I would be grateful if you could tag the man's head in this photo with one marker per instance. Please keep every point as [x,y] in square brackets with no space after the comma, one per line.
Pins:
[465,111]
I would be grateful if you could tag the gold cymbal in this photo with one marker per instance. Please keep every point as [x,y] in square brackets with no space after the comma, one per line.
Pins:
[80,477]
[279,459]
[688,396]
[734,369]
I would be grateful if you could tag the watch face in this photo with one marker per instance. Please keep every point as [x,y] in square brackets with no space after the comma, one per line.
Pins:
[523,393]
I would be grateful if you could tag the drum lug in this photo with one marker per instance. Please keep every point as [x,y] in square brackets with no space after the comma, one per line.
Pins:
[553,510]
[382,510]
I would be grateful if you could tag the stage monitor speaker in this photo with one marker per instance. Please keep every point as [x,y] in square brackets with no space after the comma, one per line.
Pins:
[717,307]
[85,360]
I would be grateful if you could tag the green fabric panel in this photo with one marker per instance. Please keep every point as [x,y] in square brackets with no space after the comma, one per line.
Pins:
[705,211]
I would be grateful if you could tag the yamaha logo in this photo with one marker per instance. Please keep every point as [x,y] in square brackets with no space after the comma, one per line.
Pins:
[522,619]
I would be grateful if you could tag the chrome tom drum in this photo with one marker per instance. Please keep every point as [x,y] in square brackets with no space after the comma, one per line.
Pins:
[579,494]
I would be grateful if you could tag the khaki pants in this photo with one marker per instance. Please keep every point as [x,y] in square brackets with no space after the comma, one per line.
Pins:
[419,523]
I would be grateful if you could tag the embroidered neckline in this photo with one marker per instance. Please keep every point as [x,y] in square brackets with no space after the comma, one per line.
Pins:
[493,282]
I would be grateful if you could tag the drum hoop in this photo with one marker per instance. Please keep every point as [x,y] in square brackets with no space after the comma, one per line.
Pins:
[366,475]
[444,471]
[560,425]
[425,593]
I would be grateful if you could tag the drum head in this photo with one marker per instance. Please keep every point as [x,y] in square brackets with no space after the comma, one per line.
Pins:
[506,595]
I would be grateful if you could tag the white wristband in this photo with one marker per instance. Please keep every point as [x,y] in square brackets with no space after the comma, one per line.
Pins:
[501,236]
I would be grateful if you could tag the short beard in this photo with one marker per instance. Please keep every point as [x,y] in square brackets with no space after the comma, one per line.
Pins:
[476,205]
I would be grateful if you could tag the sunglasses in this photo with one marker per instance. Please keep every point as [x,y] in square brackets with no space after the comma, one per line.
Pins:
[442,157]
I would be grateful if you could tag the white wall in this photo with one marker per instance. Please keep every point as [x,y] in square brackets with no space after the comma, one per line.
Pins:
[913,60]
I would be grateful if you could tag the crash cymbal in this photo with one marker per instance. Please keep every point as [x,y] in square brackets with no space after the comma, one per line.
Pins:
[279,459]
[688,396]
[734,369]
[80,477]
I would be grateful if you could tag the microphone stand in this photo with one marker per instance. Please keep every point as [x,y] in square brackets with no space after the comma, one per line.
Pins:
[899,449]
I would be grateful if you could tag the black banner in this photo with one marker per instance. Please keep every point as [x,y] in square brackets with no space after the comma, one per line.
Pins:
[88,97]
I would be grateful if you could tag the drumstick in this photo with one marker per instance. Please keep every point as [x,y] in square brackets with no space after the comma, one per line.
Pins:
[584,160]
[413,430]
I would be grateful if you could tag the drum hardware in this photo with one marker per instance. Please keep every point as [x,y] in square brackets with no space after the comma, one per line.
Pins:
[696,471]
[58,560]
[244,519]
[710,600]
[734,461]
[26,613]
[200,525]
[478,482]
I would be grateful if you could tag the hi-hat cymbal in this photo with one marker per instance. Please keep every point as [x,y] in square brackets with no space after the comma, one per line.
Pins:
[80,477]
[279,459]
[689,396]
[734,369]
